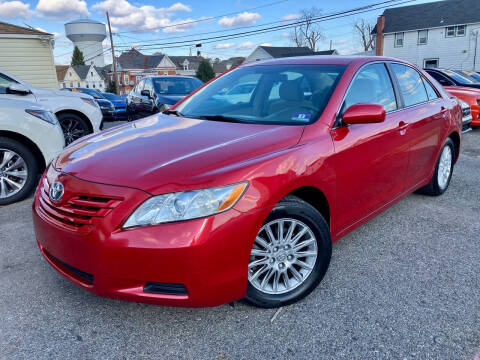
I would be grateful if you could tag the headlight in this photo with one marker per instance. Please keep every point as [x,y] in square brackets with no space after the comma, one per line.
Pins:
[186,205]
[44,115]
[89,101]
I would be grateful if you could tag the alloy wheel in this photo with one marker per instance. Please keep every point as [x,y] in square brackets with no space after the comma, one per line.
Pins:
[283,256]
[72,130]
[13,173]
[444,167]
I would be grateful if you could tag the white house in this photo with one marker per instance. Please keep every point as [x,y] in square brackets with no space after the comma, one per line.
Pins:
[28,54]
[440,34]
[86,76]
[272,52]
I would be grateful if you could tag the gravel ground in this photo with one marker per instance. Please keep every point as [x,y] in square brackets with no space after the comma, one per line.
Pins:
[404,286]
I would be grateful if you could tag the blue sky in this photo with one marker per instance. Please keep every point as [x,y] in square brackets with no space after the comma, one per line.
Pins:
[135,21]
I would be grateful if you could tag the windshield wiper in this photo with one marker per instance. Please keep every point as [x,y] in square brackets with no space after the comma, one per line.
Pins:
[220,118]
[172,112]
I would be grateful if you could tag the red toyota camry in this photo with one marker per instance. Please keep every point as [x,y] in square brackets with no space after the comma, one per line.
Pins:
[240,194]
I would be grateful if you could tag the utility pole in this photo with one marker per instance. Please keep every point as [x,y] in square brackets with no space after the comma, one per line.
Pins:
[114,62]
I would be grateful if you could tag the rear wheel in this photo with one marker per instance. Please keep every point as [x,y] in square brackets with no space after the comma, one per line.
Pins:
[290,255]
[18,171]
[73,127]
[443,171]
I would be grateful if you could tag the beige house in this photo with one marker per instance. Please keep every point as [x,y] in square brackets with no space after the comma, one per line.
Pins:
[28,54]
[85,76]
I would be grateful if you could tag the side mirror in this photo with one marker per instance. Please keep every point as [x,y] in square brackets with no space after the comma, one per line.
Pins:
[18,89]
[146,93]
[364,114]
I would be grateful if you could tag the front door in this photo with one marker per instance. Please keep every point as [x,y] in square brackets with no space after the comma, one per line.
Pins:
[371,159]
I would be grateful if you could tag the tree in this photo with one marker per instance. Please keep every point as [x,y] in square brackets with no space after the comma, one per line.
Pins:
[363,30]
[111,88]
[77,57]
[205,71]
[308,33]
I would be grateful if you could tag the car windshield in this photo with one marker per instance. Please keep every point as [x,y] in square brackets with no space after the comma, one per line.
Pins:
[112,97]
[281,94]
[457,77]
[175,86]
[93,93]
[470,75]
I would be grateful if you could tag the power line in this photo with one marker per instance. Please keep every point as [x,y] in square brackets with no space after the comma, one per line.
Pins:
[332,16]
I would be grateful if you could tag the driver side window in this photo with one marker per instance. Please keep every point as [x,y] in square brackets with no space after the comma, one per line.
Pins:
[372,85]
[5,82]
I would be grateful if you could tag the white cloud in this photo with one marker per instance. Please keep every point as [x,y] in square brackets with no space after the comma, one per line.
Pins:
[245,18]
[124,15]
[224,46]
[285,34]
[266,44]
[289,17]
[62,9]
[14,9]
[248,45]
[340,42]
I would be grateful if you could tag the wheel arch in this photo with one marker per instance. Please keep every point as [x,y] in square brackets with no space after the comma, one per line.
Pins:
[37,153]
[79,114]
[315,197]
[456,142]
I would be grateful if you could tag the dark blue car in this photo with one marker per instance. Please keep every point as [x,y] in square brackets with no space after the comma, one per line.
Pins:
[158,93]
[120,104]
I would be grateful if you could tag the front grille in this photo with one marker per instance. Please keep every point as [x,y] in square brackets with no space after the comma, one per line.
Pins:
[165,288]
[78,212]
[466,112]
[76,273]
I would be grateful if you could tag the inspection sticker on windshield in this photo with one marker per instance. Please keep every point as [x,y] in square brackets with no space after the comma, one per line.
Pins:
[299,116]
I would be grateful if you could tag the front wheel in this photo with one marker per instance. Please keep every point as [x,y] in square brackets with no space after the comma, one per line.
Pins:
[443,171]
[290,255]
[18,171]
[73,127]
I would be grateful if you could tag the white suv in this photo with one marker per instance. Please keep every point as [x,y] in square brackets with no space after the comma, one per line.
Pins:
[77,113]
[30,136]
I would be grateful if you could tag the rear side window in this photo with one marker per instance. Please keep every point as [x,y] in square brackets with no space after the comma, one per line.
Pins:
[372,85]
[432,94]
[411,85]
[440,78]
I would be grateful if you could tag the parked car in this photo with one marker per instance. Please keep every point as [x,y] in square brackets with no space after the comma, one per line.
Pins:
[238,94]
[159,93]
[106,106]
[218,201]
[78,114]
[466,116]
[120,104]
[471,97]
[451,78]
[30,136]
[472,75]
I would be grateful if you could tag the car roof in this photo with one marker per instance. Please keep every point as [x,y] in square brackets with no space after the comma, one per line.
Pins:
[323,60]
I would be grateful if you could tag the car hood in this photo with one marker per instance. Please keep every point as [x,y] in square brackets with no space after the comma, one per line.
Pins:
[104,102]
[47,93]
[168,153]
[169,99]
[119,103]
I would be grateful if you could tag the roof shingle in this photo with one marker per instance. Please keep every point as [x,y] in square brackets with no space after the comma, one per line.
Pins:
[6,28]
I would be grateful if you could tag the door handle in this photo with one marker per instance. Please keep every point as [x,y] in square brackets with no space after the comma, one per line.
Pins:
[402,125]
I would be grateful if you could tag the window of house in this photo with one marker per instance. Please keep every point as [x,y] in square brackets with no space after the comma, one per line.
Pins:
[450,31]
[78,84]
[71,84]
[398,39]
[430,63]
[411,85]
[88,86]
[63,85]
[125,78]
[100,85]
[91,73]
[165,73]
[461,30]
[138,78]
[422,37]
[372,85]
[70,73]
[93,85]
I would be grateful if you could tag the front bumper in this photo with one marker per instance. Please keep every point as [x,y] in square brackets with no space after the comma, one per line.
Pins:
[208,257]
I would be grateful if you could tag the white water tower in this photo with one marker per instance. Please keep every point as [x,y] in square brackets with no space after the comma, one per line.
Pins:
[87,35]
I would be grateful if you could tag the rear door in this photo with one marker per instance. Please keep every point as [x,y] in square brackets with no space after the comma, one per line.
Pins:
[371,159]
[425,112]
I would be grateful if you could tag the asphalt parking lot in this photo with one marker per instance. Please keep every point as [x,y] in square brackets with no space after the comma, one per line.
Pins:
[404,286]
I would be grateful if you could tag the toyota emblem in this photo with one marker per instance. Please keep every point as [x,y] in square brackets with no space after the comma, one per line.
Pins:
[56,191]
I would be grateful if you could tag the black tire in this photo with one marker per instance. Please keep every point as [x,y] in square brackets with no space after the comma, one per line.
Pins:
[32,169]
[433,188]
[73,127]
[292,207]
